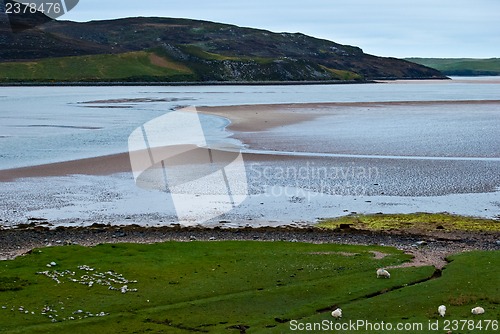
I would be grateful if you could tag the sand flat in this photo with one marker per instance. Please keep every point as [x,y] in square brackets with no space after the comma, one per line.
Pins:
[303,161]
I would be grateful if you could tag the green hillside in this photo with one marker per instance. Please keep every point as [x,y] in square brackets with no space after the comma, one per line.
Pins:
[130,66]
[461,66]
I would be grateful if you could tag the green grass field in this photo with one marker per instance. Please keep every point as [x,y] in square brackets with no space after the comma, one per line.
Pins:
[233,287]
[140,65]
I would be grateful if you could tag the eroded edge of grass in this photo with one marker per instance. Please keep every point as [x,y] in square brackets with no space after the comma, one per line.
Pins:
[414,221]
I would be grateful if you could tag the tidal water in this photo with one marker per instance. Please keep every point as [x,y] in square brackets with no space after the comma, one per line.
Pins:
[48,124]
[378,158]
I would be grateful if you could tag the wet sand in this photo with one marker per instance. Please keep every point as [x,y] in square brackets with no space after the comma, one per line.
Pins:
[104,165]
[246,121]
[250,118]
[259,127]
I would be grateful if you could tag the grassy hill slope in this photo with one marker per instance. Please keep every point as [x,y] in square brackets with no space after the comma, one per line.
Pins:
[137,66]
[461,66]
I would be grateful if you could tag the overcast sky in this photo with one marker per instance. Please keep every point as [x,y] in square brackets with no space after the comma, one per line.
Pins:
[395,28]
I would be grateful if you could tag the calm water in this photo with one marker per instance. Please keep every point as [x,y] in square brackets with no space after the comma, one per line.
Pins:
[47,124]
[450,131]
[399,158]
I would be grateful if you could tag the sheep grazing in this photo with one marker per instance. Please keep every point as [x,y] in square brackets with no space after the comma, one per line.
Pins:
[383,273]
[442,310]
[337,313]
[477,310]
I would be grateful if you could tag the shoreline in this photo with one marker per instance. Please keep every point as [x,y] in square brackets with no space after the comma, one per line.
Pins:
[196,83]
[242,117]
[120,163]
[495,79]
[433,250]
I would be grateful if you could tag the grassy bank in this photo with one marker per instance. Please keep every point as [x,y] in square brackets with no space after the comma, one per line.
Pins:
[231,287]
[426,222]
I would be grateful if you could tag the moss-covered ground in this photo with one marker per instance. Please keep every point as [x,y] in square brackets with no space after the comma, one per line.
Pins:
[420,221]
[233,287]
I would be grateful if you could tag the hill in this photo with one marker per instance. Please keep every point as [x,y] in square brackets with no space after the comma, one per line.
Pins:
[461,66]
[168,49]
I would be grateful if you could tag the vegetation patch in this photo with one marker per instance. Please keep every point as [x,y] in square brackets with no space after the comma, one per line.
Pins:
[175,286]
[111,67]
[461,66]
[231,287]
[343,74]
[199,52]
[12,283]
[470,280]
[414,221]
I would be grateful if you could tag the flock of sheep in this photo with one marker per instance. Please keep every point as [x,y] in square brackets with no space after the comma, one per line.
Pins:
[337,313]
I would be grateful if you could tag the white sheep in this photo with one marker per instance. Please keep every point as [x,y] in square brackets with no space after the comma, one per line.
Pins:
[442,310]
[383,273]
[477,310]
[337,313]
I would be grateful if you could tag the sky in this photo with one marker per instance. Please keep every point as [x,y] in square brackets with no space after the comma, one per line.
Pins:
[390,28]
